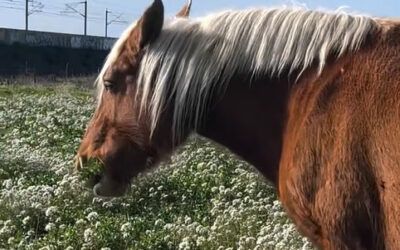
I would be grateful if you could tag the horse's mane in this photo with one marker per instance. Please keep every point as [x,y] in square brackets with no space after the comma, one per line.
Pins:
[193,59]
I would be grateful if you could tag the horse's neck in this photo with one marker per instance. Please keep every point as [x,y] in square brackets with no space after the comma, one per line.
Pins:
[249,120]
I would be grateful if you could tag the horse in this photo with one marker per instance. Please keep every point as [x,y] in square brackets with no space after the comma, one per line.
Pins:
[310,98]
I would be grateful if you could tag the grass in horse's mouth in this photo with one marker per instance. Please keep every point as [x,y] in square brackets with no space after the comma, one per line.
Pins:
[91,173]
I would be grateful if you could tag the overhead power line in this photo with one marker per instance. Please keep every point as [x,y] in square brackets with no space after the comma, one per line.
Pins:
[117,18]
[69,10]
[11,7]
[35,7]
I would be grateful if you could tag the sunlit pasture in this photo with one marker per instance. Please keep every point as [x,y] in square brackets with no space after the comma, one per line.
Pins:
[204,198]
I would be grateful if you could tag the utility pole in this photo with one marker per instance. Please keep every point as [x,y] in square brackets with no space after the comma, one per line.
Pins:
[26,15]
[107,21]
[85,17]
[70,9]
[117,19]
[36,7]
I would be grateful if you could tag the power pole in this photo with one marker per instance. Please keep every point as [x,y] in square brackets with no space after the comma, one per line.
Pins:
[35,8]
[85,17]
[70,9]
[26,15]
[117,19]
[107,21]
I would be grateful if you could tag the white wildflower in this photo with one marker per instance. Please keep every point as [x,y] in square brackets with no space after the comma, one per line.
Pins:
[92,216]
[51,211]
[126,227]
[185,244]
[188,220]
[200,241]
[26,220]
[11,241]
[168,227]
[49,227]
[87,235]
[80,222]
[159,223]
[7,184]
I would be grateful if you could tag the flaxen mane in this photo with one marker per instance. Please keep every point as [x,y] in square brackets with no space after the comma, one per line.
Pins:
[194,59]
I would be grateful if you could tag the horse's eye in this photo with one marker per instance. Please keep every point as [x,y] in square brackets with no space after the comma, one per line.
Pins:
[108,85]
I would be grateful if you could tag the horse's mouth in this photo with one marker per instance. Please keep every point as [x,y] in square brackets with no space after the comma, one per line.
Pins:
[101,184]
[93,180]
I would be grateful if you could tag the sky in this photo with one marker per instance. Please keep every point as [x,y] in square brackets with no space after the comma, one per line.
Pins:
[54,16]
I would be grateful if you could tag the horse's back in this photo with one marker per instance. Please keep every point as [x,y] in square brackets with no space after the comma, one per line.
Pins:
[340,166]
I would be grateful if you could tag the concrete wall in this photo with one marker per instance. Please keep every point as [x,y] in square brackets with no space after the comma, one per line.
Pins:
[47,39]
[44,53]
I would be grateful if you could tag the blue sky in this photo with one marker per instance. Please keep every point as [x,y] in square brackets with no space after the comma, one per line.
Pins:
[12,11]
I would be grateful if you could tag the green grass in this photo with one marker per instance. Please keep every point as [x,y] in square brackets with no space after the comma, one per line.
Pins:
[203,198]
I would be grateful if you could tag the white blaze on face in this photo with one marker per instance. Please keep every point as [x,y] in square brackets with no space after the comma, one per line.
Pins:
[112,58]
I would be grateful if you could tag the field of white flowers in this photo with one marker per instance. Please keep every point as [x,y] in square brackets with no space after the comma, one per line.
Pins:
[204,198]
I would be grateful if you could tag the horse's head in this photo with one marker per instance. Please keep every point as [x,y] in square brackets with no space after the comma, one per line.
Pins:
[119,133]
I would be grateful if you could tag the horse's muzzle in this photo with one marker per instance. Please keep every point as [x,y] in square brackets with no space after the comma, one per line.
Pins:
[101,184]
[109,188]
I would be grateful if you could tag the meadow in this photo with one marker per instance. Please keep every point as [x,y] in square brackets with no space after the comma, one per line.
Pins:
[203,198]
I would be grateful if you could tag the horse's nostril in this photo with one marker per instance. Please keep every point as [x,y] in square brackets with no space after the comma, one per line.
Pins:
[97,190]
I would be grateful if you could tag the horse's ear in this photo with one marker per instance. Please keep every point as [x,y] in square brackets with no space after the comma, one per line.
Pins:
[185,10]
[151,23]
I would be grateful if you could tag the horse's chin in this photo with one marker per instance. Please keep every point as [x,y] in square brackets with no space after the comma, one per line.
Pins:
[109,188]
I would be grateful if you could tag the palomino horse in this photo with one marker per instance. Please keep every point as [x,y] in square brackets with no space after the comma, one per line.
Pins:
[311,99]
